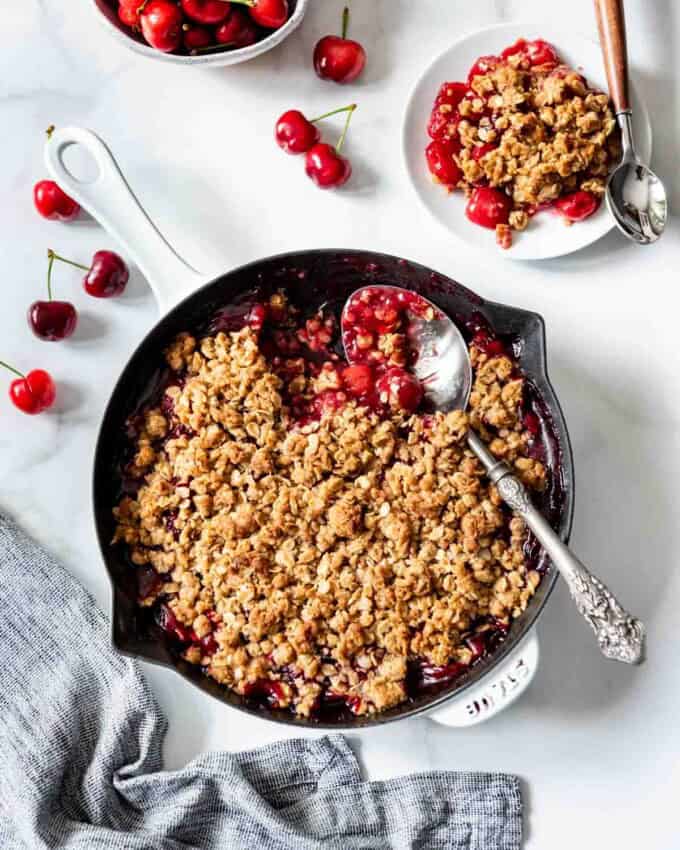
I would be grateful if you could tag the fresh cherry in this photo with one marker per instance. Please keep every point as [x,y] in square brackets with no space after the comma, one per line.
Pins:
[52,320]
[237,31]
[106,277]
[399,390]
[326,167]
[440,161]
[338,58]
[161,22]
[52,203]
[294,133]
[196,37]
[577,205]
[206,11]
[324,164]
[128,13]
[31,393]
[488,207]
[270,14]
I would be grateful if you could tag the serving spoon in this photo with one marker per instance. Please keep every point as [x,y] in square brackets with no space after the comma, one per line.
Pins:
[442,365]
[635,195]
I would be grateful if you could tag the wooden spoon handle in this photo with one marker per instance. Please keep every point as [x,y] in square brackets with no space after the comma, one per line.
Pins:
[612,26]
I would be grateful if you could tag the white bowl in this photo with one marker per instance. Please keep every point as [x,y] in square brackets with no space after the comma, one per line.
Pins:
[547,235]
[106,13]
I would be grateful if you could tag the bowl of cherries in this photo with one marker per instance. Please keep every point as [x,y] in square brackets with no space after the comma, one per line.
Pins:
[207,33]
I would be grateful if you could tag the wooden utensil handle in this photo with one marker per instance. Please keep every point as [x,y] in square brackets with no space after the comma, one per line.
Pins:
[612,26]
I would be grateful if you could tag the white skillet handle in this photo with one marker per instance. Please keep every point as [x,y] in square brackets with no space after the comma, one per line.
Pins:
[110,200]
[496,691]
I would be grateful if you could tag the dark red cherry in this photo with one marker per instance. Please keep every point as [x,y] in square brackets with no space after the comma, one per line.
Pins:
[195,37]
[270,14]
[107,276]
[482,66]
[52,320]
[399,390]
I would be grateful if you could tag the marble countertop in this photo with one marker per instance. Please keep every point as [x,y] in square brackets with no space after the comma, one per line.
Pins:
[595,743]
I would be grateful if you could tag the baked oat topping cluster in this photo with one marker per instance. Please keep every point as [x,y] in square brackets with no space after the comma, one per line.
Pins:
[524,133]
[347,559]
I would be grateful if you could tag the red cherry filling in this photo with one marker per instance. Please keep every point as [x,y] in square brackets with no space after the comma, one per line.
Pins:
[488,207]
[399,390]
[268,689]
[359,380]
[440,161]
[482,66]
[537,52]
[577,206]
[171,626]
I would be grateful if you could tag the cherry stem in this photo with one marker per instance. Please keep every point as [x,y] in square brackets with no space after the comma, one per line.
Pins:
[250,3]
[49,131]
[52,256]
[345,21]
[50,262]
[341,140]
[333,112]
[12,369]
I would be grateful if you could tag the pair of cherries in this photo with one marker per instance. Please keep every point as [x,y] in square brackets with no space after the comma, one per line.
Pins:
[52,320]
[324,164]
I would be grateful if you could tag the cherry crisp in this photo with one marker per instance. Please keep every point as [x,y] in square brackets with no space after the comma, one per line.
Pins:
[524,133]
[301,533]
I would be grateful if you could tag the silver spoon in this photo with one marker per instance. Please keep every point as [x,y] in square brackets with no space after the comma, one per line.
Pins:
[635,195]
[443,367]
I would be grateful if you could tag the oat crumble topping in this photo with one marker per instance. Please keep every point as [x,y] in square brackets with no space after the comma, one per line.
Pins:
[311,561]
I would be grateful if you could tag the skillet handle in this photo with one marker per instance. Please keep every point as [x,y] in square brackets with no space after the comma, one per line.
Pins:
[496,691]
[110,200]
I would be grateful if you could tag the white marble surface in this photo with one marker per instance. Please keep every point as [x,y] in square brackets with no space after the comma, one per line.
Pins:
[595,743]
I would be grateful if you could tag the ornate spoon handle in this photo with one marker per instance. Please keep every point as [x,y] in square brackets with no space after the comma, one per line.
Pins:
[620,635]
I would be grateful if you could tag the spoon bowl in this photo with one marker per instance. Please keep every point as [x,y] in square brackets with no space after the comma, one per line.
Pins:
[637,200]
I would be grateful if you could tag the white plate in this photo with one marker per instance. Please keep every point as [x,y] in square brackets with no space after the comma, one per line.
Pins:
[547,235]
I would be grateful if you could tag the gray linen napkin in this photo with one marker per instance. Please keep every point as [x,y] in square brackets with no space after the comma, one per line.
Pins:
[81,764]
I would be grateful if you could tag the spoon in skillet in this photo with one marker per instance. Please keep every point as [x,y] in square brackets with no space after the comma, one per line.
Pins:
[635,195]
[441,363]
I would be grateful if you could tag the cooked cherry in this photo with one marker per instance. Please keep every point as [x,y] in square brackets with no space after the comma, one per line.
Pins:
[482,66]
[31,393]
[537,52]
[161,22]
[488,207]
[339,58]
[481,151]
[577,205]
[440,161]
[358,379]
[269,689]
[54,204]
[399,390]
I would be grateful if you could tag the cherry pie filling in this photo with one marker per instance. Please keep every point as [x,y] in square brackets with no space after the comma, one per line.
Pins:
[316,384]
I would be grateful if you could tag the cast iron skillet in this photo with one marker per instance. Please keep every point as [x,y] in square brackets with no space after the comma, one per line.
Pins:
[310,278]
